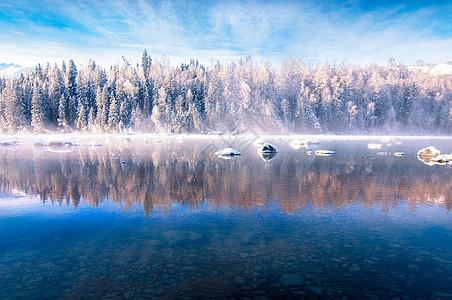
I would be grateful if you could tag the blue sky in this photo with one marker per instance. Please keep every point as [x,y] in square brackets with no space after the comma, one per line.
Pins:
[355,32]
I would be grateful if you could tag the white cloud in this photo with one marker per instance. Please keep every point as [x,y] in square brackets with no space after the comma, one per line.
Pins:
[227,30]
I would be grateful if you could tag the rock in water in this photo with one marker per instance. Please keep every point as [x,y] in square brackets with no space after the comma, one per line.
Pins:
[374,146]
[228,153]
[325,152]
[267,148]
[429,152]
[291,279]
[432,156]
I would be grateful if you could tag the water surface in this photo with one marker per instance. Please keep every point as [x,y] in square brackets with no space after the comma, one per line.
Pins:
[170,220]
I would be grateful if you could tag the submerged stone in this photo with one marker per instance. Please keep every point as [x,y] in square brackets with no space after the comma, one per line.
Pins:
[291,279]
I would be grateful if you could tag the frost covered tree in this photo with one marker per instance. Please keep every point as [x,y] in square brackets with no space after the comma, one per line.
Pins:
[37,110]
[235,97]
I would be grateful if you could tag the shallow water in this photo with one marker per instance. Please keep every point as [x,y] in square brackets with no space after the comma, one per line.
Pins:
[170,220]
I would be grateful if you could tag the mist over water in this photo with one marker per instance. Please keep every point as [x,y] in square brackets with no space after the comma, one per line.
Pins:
[169,219]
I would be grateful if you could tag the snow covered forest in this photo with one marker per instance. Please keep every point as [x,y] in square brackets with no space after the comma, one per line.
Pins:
[241,97]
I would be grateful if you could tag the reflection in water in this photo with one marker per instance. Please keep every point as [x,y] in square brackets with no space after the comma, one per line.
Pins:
[158,176]
[267,156]
[353,225]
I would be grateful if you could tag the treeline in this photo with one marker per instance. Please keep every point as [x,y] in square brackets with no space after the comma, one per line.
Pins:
[233,98]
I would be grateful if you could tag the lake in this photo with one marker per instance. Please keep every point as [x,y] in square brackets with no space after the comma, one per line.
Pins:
[168,219]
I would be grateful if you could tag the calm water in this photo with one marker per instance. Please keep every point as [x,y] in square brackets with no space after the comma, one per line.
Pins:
[170,220]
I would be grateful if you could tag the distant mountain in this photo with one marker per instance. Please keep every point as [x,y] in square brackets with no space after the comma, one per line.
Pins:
[12,70]
[445,68]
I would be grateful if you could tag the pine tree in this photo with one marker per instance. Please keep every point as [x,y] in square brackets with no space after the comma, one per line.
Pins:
[13,108]
[62,112]
[37,113]
[81,119]
[146,63]
[113,116]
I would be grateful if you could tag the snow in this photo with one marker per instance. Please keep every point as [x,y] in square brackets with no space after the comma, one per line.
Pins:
[85,139]
[374,146]
[228,152]
[9,142]
[429,152]
[432,156]
[12,70]
[267,148]
[325,152]
[297,144]
[438,69]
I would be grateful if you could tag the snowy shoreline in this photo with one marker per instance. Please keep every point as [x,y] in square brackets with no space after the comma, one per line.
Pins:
[85,138]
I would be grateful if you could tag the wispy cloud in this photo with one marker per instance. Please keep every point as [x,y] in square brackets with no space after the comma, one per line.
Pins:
[316,31]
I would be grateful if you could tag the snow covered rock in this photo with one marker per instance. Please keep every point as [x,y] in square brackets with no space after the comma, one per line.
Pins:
[61,146]
[432,156]
[267,148]
[440,160]
[429,152]
[383,153]
[296,144]
[374,146]
[228,152]
[11,142]
[325,152]
[41,143]
[61,143]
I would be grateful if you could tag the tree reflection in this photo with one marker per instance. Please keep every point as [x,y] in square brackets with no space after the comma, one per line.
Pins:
[157,177]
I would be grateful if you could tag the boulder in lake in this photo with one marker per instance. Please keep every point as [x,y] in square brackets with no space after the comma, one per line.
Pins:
[442,159]
[432,156]
[62,143]
[374,146]
[428,152]
[228,153]
[267,148]
[325,152]
[296,144]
